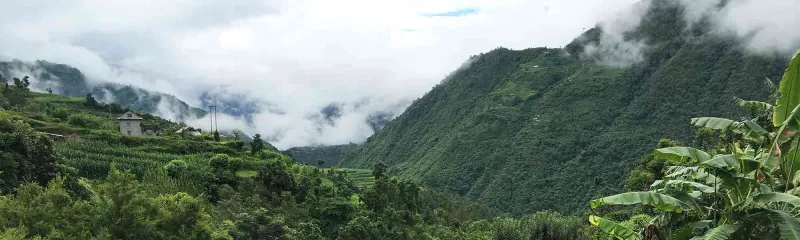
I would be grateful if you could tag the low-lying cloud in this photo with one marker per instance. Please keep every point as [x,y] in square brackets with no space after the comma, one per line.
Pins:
[291,59]
[765,27]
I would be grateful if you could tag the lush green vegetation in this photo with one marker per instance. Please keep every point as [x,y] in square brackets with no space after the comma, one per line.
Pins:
[321,156]
[740,183]
[94,183]
[544,128]
[68,81]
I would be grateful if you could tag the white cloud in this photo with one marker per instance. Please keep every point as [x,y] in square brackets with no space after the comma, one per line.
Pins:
[769,26]
[298,56]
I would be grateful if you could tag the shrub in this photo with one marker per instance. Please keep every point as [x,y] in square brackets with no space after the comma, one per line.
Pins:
[61,114]
[176,168]
[84,120]
[220,161]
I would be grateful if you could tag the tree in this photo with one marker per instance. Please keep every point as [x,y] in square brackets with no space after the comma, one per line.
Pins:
[379,170]
[17,95]
[90,101]
[257,144]
[216,136]
[320,162]
[50,90]
[748,191]
[25,155]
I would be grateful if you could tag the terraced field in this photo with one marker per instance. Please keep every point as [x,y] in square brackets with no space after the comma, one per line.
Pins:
[361,177]
[93,159]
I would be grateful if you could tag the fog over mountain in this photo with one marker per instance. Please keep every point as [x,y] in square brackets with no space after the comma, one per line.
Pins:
[321,72]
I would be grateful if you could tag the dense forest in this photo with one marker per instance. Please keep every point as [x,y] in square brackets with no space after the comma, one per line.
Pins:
[547,128]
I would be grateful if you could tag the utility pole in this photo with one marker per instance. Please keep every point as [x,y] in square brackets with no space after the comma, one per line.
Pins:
[211,118]
[212,115]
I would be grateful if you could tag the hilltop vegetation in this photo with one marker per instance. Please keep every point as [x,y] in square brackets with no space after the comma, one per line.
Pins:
[548,128]
[66,80]
[97,184]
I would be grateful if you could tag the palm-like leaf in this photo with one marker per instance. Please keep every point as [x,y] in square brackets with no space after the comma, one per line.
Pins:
[677,154]
[712,122]
[789,91]
[761,106]
[723,232]
[788,225]
[668,183]
[726,162]
[613,228]
[660,201]
[773,197]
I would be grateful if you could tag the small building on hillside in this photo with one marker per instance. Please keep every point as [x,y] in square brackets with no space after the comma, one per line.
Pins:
[55,137]
[189,130]
[130,124]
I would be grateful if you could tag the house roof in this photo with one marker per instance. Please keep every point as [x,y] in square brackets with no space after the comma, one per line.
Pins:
[129,116]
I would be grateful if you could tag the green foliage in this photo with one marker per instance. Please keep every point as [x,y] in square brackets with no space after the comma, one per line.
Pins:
[746,194]
[168,187]
[90,101]
[789,93]
[17,94]
[25,155]
[521,130]
[613,228]
[84,120]
[257,144]
[331,155]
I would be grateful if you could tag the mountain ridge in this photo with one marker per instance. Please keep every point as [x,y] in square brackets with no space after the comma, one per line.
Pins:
[543,128]
[70,81]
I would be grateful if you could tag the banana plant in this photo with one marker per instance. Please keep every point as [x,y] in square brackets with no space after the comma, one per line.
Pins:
[748,189]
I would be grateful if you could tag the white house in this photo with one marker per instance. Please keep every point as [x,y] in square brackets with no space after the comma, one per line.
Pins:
[130,124]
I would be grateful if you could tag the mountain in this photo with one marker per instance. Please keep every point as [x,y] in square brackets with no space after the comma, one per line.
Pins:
[547,128]
[69,81]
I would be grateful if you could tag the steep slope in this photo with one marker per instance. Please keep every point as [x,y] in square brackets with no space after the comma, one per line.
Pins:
[69,81]
[547,129]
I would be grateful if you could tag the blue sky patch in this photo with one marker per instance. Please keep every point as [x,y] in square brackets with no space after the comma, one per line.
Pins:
[455,13]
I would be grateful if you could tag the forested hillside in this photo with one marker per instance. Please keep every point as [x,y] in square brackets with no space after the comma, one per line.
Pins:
[549,128]
[67,173]
[66,80]
[322,156]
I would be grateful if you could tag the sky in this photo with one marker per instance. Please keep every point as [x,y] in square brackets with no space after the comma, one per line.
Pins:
[294,57]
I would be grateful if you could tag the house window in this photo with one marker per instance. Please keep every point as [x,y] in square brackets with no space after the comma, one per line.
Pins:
[128,123]
[129,132]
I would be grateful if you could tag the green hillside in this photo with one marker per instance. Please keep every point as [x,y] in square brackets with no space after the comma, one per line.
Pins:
[90,182]
[545,128]
[330,155]
[69,81]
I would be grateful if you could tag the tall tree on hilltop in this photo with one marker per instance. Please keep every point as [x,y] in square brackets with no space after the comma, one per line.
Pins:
[90,101]
[257,144]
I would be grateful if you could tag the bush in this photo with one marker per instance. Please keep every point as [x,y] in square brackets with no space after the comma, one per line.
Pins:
[61,114]
[220,161]
[84,120]
[176,168]
[235,145]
